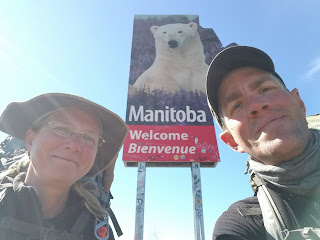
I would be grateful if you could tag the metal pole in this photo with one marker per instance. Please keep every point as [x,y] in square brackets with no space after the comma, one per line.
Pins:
[197,202]
[139,224]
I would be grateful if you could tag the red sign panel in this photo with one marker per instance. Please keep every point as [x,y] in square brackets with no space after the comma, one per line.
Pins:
[171,144]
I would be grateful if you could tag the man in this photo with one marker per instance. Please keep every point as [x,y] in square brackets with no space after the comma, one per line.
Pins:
[258,115]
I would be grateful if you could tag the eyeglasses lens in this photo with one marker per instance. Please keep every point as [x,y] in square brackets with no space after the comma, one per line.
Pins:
[66,130]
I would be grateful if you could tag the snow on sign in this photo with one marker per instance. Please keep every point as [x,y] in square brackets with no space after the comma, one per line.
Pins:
[167,113]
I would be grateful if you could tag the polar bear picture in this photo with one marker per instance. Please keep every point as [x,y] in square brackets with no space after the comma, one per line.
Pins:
[180,60]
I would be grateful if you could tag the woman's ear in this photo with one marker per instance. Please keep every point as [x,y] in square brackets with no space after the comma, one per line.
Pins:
[29,139]
[228,139]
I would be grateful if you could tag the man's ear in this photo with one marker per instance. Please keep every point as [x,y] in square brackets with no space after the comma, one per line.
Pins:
[29,139]
[296,95]
[229,140]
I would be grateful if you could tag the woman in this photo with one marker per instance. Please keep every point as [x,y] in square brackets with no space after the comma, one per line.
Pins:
[68,139]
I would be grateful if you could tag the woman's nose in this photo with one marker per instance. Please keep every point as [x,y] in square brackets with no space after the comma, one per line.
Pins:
[74,142]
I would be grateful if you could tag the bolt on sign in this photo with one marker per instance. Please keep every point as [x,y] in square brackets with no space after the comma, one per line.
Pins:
[167,113]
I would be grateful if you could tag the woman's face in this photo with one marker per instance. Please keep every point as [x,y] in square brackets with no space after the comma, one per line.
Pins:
[59,159]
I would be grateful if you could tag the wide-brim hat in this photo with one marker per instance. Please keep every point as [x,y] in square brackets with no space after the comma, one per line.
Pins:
[229,60]
[18,117]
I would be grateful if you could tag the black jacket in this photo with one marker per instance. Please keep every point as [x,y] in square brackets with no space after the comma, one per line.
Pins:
[231,225]
[21,216]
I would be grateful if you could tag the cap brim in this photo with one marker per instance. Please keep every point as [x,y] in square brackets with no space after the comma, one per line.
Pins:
[228,60]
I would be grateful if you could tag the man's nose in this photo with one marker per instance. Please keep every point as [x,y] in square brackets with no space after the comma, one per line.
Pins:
[257,105]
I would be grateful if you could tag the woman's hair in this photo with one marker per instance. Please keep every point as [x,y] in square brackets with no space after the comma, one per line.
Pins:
[15,168]
[88,190]
[90,193]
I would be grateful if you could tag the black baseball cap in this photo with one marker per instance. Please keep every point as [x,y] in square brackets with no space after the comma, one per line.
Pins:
[229,60]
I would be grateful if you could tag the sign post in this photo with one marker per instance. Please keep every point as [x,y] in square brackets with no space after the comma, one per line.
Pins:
[197,202]
[167,112]
[139,224]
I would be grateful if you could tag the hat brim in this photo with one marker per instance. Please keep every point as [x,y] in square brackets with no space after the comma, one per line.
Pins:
[18,117]
[229,60]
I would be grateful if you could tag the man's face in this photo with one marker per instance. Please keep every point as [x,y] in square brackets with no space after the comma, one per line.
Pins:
[261,117]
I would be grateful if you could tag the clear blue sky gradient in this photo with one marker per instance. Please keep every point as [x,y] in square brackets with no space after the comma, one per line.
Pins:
[83,48]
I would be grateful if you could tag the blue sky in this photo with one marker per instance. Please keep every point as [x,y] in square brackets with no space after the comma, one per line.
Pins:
[83,48]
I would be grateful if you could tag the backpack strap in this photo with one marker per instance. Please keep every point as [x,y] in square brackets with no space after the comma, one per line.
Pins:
[81,222]
[114,221]
[307,233]
[250,211]
[33,231]
[19,226]
[53,234]
[272,218]
[105,198]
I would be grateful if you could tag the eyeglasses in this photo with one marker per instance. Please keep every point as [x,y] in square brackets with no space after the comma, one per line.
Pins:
[66,130]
